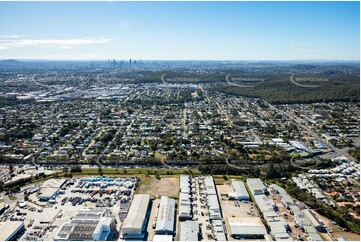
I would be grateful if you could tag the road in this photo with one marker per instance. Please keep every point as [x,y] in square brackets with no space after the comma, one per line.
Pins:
[303,85]
[162,78]
[236,167]
[235,84]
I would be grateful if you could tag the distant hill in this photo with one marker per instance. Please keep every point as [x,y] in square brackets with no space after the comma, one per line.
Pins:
[10,62]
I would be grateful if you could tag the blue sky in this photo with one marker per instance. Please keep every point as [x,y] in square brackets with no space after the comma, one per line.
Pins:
[180,30]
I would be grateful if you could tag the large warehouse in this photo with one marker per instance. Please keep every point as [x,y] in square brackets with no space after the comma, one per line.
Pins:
[136,220]
[9,230]
[240,192]
[247,228]
[89,224]
[166,212]
[256,186]
[50,188]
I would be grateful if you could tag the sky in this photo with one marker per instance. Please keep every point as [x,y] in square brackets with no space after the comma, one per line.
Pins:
[180,30]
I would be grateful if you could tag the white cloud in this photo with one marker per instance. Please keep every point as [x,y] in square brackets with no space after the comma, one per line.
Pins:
[60,43]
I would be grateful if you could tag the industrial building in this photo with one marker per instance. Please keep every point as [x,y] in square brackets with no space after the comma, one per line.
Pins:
[189,230]
[214,208]
[286,199]
[50,188]
[315,222]
[219,230]
[256,186]
[246,228]
[9,230]
[166,213]
[240,192]
[134,225]
[264,203]
[89,224]
[184,185]
[162,237]
[185,207]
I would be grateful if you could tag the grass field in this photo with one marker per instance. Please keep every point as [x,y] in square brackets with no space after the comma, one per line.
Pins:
[167,186]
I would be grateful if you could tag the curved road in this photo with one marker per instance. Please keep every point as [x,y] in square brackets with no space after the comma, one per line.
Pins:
[162,78]
[303,85]
[235,84]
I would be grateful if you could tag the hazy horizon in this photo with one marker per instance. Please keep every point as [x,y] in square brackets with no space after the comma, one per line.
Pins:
[219,31]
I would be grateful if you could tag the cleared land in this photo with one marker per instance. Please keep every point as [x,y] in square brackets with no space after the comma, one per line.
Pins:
[159,187]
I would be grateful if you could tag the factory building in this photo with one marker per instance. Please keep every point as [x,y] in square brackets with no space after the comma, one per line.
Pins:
[246,228]
[89,224]
[240,192]
[166,213]
[10,230]
[256,186]
[134,225]
[189,230]
[50,188]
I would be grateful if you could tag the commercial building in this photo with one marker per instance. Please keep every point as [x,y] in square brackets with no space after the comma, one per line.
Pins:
[256,186]
[50,188]
[10,230]
[166,213]
[134,225]
[89,224]
[240,191]
[246,228]
[189,230]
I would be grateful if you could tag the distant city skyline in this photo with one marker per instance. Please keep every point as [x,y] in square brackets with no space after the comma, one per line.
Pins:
[180,30]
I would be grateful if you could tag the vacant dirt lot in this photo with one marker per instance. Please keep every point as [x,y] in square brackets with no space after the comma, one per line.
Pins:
[161,187]
[336,232]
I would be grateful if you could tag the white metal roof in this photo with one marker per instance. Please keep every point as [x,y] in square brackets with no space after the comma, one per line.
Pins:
[165,220]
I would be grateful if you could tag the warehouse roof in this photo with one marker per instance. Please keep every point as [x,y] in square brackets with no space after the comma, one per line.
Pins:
[209,185]
[137,212]
[264,203]
[256,184]
[240,189]
[165,221]
[246,226]
[184,184]
[83,224]
[9,228]
[189,231]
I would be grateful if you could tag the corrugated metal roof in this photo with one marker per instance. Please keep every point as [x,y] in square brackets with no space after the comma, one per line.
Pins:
[137,213]
[240,189]
[189,230]
[246,226]
[165,220]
